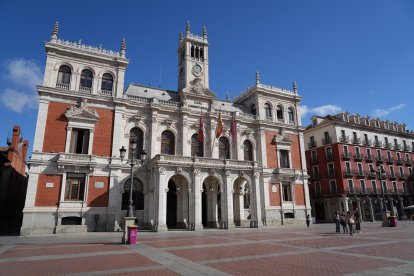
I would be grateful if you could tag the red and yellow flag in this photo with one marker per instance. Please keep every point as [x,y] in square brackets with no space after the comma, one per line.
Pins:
[201,131]
[219,128]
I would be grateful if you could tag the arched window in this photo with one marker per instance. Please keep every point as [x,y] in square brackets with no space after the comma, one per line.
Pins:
[137,135]
[279,113]
[197,148]
[107,82]
[64,75]
[253,109]
[167,143]
[86,79]
[291,115]
[248,150]
[137,195]
[224,152]
[268,111]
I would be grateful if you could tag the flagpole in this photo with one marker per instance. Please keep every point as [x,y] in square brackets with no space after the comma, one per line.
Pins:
[214,139]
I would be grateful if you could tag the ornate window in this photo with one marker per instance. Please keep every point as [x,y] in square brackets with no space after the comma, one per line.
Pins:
[107,82]
[291,115]
[86,79]
[197,148]
[279,112]
[284,159]
[167,143]
[287,191]
[248,150]
[268,111]
[79,141]
[137,135]
[64,75]
[75,187]
[224,152]
[137,195]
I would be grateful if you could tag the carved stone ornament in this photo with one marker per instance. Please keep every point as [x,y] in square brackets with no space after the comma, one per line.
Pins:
[256,174]
[241,173]
[137,118]
[212,171]
[197,172]
[179,170]
[247,132]
[161,170]
[168,123]
[197,86]
[228,173]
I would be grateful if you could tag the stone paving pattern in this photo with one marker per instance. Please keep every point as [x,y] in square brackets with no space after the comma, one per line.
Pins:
[294,250]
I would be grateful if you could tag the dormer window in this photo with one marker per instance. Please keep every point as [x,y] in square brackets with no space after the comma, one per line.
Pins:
[107,82]
[63,80]
[86,80]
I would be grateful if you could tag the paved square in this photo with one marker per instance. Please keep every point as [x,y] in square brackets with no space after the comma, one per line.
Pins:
[290,250]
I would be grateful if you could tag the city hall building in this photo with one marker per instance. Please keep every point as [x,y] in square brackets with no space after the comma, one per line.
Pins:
[250,174]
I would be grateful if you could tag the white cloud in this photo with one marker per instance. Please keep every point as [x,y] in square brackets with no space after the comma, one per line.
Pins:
[18,101]
[21,79]
[381,112]
[322,110]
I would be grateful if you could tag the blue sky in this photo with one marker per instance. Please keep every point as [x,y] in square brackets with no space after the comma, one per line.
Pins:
[355,56]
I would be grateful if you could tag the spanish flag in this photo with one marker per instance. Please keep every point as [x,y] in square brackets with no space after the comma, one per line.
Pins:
[219,128]
[201,131]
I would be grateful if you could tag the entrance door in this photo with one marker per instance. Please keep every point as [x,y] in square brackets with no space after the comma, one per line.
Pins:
[171,205]
[204,207]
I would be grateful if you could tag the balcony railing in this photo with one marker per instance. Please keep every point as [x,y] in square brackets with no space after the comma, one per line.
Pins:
[316,176]
[366,142]
[312,145]
[402,176]
[398,161]
[358,156]
[389,160]
[314,160]
[392,175]
[346,155]
[371,174]
[377,144]
[85,89]
[387,145]
[348,173]
[369,158]
[327,140]
[356,140]
[329,157]
[62,86]
[379,159]
[359,173]
[105,93]
[408,162]
[343,139]
[397,146]
[370,191]
[406,148]
[331,173]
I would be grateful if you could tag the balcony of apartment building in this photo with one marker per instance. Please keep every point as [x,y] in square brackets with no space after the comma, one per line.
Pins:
[371,174]
[359,173]
[397,146]
[312,144]
[358,157]
[369,158]
[343,139]
[331,173]
[348,173]
[329,156]
[353,191]
[316,176]
[366,142]
[377,144]
[371,191]
[379,159]
[327,140]
[387,145]
[346,155]
[314,159]
[399,161]
[356,140]
[389,160]
[392,176]
[408,162]
[402,176]
[406,148]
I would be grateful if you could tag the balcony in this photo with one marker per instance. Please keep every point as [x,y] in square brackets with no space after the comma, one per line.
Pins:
[382,176]
[314,160]
[331,173]
[358,156]
[329,157]
[398,161]
[387,145]
[327,140]
[369,158]
[356,141]
[353,191]
[105,93]
[62,86]
[343,139]
[84,89]
[397,146]
[316,176]
[371,191]
[379,159]
[402,176]
[359,173]
[348,173]
[377,144]
[346,155]
[366,142]
[408,162]
[389,160]
[312,145]
[371,174]
[392,176]
[406,148]
[75,159]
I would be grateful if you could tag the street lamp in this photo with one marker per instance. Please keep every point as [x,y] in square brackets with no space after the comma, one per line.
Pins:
[380,171]
[122,151]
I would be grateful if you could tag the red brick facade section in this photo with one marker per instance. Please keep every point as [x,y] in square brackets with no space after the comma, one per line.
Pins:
[274,197]
[56,123]
[299,195]
[271,150]
[48,196]
[102,143]
[295,151]
[98,197]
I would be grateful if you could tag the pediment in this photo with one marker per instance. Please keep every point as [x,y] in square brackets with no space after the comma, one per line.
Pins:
[81,114]
[282,139]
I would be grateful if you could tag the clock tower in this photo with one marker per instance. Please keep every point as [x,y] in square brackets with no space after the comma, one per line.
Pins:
[192,61]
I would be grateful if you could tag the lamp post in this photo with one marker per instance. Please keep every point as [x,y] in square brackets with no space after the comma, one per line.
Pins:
[380,171]
[132,161]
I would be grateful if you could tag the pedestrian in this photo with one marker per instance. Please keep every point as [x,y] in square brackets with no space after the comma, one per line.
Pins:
[308,219]
[350,220]
[357,221]
[343,223]
[337,221]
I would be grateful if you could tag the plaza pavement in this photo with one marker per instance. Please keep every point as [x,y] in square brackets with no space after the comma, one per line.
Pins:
[289,250]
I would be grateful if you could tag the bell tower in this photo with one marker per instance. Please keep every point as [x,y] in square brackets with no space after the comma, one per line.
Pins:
[192,60]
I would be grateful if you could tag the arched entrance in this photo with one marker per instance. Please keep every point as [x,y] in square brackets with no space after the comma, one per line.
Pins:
[242,207]
[211,203]
[177,203]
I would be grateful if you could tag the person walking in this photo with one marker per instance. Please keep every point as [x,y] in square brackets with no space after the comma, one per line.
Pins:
[343,223]
[357,221]
[350,220]
[337,221]
[308,219]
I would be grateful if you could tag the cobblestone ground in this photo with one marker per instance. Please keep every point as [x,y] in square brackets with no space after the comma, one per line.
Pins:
[272,251]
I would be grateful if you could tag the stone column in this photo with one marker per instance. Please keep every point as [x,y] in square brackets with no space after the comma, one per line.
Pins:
[371,210]
[401,205]
[359,207]
[229,200]
[152,150]
[198,190]
[258,202]
[40,125]
[162,201]
[185,148]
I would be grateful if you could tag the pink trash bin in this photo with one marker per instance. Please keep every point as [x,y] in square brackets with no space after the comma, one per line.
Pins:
[393,221]
[132,234]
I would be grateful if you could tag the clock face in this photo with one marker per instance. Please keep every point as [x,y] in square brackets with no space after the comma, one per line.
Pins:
[197,69]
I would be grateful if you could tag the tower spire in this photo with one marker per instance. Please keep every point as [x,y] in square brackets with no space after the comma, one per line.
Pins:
[187,28]
[295,88]
[180,37]
[123,47]
[257,77]
[55,31]
[204,32]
